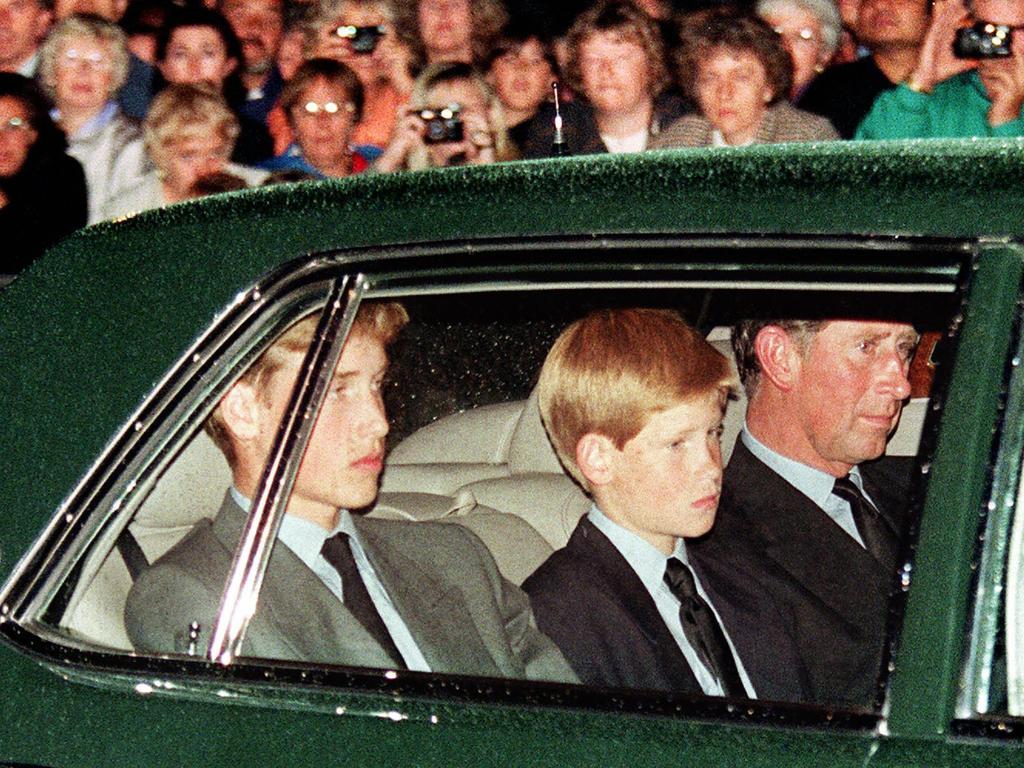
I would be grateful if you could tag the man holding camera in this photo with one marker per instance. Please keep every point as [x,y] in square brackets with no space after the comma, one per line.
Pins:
[969,78]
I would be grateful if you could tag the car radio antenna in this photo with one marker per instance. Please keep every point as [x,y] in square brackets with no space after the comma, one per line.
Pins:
[559,147]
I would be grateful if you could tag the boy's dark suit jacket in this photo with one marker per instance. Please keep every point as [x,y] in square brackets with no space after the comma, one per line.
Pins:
[590,601]
[837,592]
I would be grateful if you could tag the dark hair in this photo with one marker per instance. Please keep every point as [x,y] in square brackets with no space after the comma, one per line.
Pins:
[146,17]
[628,20]
[735,29]
[49,138]
[198,16]
[515,36]
[334,72]
[744,336]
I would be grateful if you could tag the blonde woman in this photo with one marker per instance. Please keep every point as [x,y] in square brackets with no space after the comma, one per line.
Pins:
[189,134]
[83,63]
[453,118]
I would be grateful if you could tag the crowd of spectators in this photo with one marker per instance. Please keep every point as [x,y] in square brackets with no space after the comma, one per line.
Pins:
[108,107]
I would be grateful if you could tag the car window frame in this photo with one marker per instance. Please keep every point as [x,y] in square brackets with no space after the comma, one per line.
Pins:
[394,282]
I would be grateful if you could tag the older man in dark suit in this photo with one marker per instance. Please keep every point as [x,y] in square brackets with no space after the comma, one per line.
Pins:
[633,402]
[340,589]
[804,491]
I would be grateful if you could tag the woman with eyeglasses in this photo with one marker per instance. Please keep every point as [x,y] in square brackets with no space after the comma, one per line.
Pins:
[42,189]
[83,64]
[323,102]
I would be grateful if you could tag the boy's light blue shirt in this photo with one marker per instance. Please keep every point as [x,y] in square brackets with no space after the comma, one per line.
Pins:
[649,564]
[306,539]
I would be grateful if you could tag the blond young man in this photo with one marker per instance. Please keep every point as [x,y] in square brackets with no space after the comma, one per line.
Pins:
[633,402]
[339,588]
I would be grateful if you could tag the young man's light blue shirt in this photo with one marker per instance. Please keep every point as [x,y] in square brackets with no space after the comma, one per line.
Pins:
[812,483]
[306,539]
[649,564]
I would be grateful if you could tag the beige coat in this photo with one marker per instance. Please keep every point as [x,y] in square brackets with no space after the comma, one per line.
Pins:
[782,123]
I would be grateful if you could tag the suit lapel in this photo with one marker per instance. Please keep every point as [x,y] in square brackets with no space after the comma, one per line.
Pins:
[804,542]
[434,611]
[617,579]
[297,611]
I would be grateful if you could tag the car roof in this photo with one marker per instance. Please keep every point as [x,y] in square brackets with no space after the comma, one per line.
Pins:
[89,329]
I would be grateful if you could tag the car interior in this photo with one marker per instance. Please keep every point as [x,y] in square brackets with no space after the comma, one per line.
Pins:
[482,461]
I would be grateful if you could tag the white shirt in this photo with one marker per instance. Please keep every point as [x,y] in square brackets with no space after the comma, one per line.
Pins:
[306,539]
[649,563]
[812,483]
[634,142]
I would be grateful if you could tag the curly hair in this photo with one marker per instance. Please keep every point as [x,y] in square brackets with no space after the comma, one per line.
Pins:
[183,111]
[625,19]
[89,26]
[486,17]
[735,30]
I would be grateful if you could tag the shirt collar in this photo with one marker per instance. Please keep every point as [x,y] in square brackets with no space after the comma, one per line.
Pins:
[644,558]
[303,537]
[94,123]
[812,483]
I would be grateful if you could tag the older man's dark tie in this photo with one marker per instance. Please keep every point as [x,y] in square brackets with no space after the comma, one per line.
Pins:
[879,539]
[702,630]
[338,552]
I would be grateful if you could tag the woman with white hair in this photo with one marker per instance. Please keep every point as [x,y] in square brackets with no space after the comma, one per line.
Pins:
[810,29]
[83,63]
[189,134]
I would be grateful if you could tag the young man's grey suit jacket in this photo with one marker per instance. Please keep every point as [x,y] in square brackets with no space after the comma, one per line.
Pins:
[465,617]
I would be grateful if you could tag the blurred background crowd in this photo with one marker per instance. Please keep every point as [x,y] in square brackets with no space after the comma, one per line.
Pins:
[109,107]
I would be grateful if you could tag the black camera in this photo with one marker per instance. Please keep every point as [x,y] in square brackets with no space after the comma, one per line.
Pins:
[443,124]
[984,40]
[362,39]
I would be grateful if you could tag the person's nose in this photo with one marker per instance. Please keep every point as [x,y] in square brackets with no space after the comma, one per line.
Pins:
[894,376]
[726,90]
[209,165]
[710,460]
[195,68]
[373,420]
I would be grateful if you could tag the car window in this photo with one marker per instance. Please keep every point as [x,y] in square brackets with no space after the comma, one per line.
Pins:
[992,687]
[465,446]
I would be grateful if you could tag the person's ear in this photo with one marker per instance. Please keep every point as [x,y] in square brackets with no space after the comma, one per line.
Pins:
[779,355]
[595,456]
[242,412]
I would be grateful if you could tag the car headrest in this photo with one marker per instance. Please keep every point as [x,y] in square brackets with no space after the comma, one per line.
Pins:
[529,449]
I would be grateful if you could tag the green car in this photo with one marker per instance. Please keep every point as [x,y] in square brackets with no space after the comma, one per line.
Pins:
[119,343]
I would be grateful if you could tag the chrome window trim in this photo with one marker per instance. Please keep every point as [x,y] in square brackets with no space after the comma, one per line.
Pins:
[202,366]
[1000,509]
[379,285]
[238,602]
[382,291]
